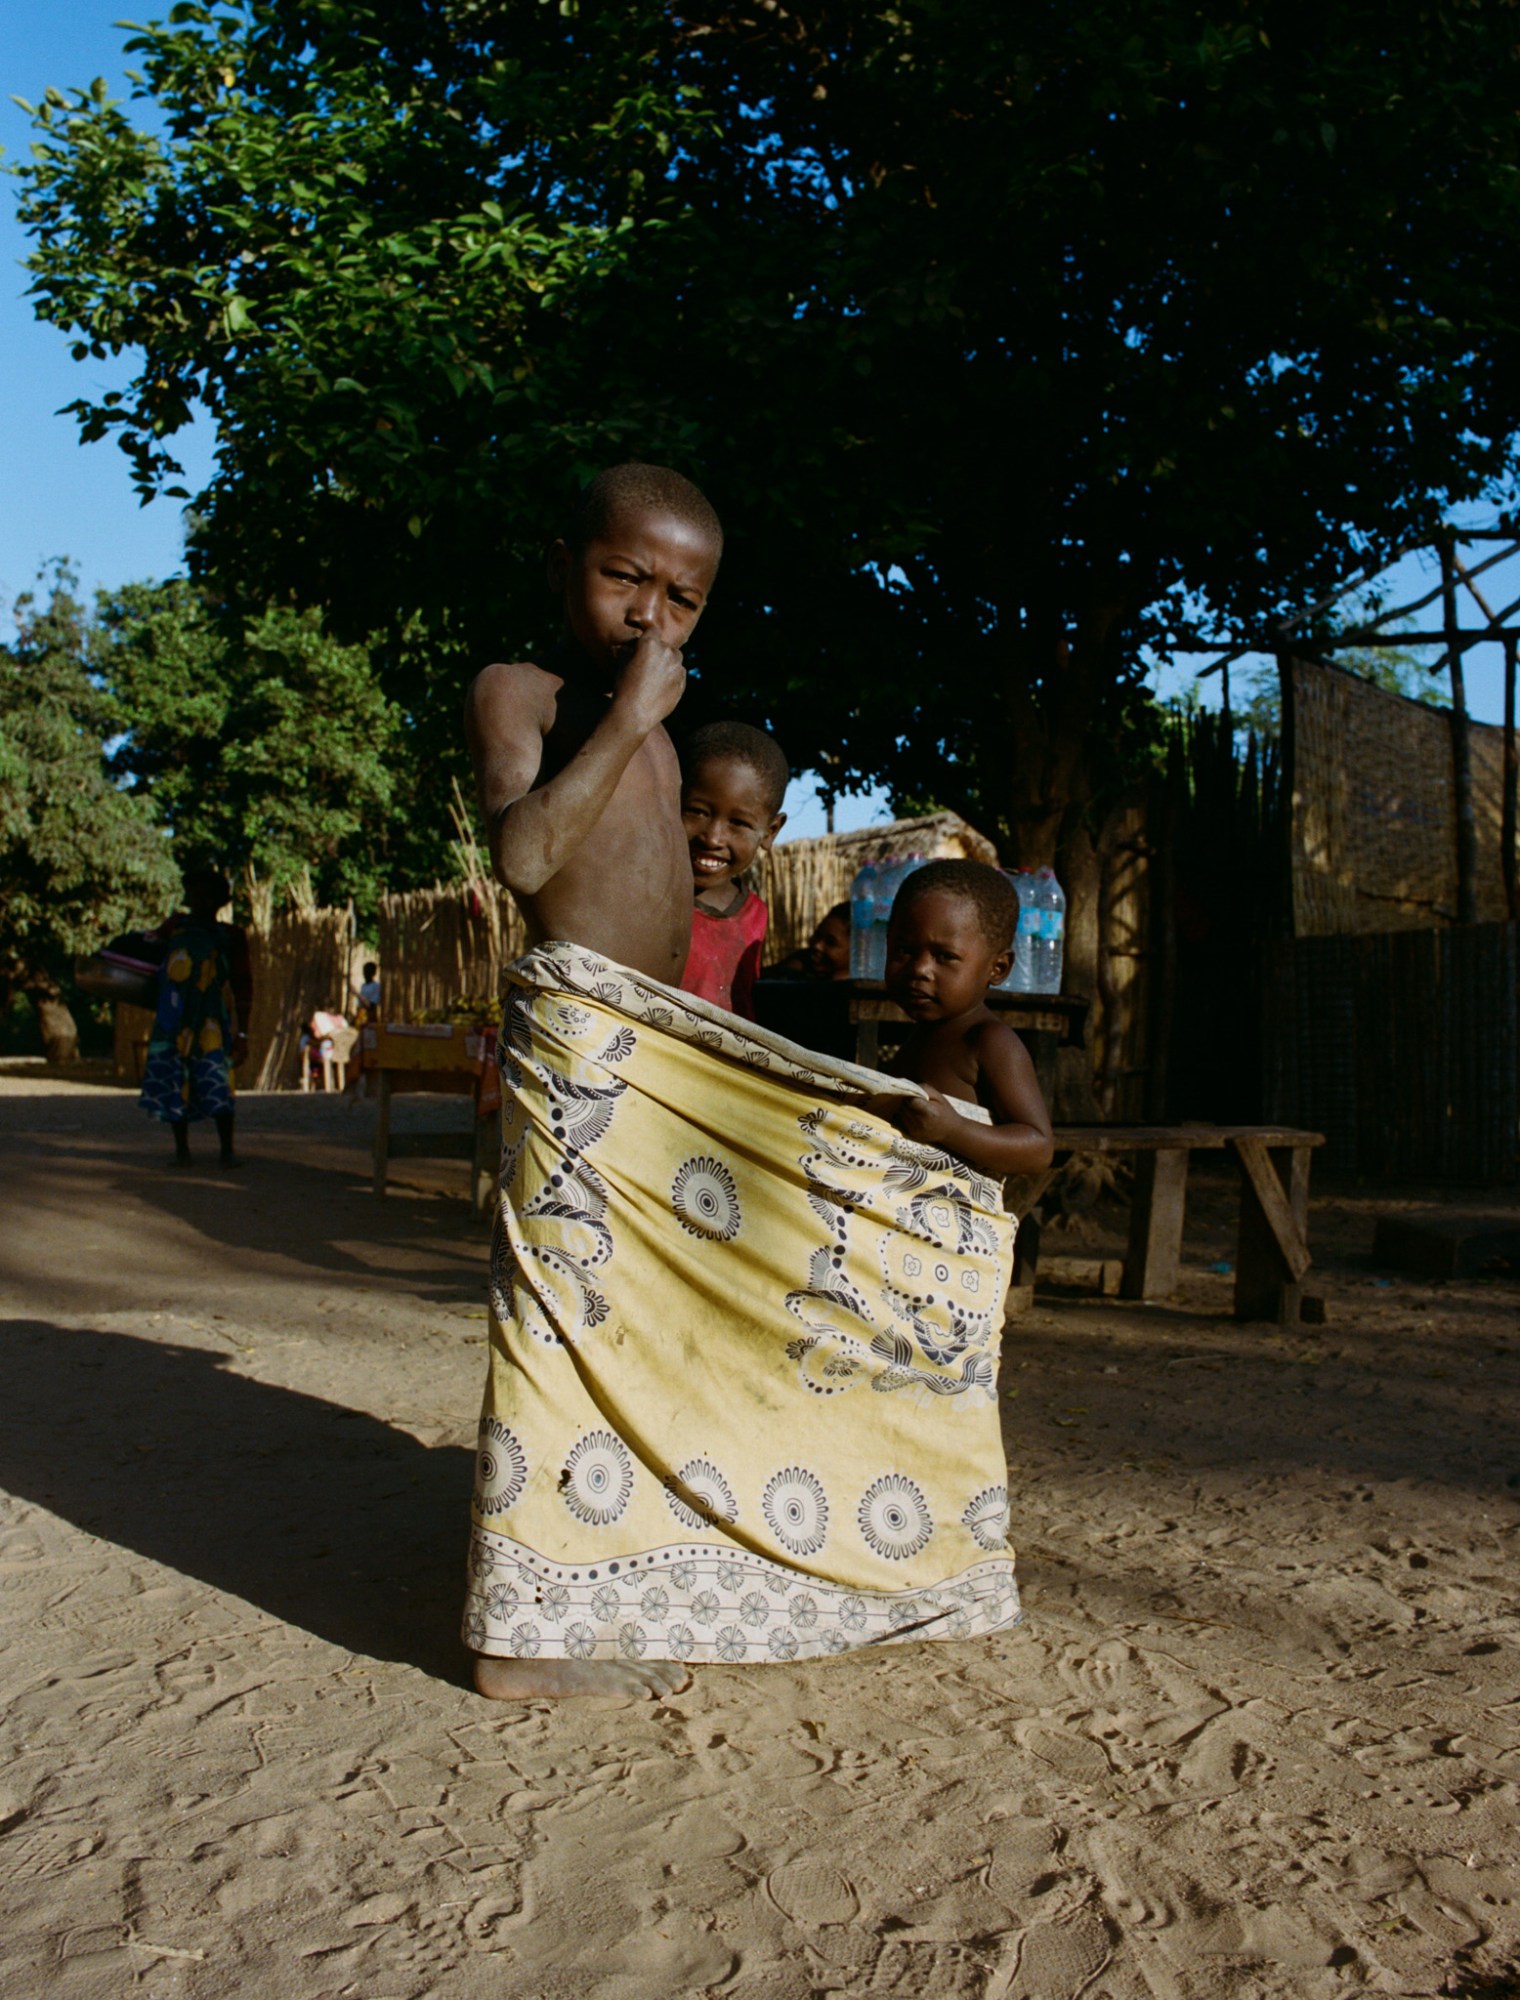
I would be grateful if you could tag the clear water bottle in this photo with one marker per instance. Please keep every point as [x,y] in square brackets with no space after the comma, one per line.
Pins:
[1021,968]
[888,875]
[862,917]
[1049,902]
[897,870]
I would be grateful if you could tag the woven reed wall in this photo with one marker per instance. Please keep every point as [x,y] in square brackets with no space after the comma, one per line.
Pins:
[438,945]
[1374,831]
[1401,1048]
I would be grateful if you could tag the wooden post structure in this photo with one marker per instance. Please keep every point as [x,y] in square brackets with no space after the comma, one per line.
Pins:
[1461,746]
[1509,832]
[1272,1254]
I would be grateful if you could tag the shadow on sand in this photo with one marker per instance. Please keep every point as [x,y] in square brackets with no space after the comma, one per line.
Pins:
[323,1517]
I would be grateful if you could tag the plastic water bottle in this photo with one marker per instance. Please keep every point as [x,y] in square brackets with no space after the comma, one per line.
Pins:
[1049,903]
[887,878]
[899,867]
[1021,968]
[862,917]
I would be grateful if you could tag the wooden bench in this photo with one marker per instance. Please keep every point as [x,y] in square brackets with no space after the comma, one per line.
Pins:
[1272,1253]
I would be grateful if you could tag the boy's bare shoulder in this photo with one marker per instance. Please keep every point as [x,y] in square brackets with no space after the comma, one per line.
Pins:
[512,684]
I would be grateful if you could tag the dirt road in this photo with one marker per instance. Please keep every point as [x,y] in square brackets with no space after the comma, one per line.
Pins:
[1257,1738]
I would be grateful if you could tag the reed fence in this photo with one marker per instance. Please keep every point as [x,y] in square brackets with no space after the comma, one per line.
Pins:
[1374,814]
[1402,1048]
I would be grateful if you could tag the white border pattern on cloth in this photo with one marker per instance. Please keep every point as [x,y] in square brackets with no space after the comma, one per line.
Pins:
[731,1606]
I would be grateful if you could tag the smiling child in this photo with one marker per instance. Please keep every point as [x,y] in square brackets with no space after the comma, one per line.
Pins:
[735,780]
[949,939]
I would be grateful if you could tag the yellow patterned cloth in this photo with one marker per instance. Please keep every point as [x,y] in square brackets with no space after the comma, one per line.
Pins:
[742,1399]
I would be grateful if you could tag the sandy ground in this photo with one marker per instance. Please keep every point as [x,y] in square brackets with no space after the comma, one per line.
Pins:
[1258,1736]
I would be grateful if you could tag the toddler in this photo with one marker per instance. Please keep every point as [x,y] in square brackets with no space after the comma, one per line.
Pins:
[951,937]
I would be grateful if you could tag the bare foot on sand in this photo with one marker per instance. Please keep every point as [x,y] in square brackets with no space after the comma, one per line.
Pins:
[612,1680]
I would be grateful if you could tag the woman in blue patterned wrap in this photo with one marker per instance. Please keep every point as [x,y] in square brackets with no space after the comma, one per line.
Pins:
[205,993]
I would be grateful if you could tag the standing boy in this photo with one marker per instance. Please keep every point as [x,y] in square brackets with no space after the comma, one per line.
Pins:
[741,1396]
[581,791]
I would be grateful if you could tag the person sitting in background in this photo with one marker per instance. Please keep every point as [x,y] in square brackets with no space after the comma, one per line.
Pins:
[826,955]
[734,781]
[369,991]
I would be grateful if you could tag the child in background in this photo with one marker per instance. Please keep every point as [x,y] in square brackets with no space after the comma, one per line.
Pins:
[950,938]
[826,955]
[734,781]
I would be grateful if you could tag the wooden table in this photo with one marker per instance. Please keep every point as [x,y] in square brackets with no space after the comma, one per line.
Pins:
[446,1061]
[1272,1250]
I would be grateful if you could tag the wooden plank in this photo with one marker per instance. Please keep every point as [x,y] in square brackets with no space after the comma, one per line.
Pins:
[1164,1138]
[1137,1138]
[382,1147]
[1276,1203]
[1154,1262]
[486,1164]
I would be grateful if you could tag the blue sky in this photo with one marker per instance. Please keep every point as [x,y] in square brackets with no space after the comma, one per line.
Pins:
[61,498]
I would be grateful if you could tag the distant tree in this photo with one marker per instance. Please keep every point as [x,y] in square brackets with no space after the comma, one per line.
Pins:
[997,332]
[262,741]
[79,860]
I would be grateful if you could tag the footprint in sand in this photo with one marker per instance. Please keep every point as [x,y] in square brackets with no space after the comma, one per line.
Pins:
[663,1960]
[1056,1961]
[1076,1758]
[1021,1852]
[810,1894]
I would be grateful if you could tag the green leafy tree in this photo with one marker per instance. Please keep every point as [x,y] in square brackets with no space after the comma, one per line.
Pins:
[79,860]
[1000,335]
[260,741]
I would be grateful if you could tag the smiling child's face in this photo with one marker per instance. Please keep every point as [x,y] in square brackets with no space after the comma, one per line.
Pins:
[729,819]
[939,959]
[646,572]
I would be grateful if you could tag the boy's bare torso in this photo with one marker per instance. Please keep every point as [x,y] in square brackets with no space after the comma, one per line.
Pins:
[626,892]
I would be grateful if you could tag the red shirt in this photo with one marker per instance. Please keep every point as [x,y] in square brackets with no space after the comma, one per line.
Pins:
[725,955]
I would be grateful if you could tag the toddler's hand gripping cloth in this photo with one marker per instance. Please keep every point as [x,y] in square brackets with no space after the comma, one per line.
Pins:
[742,1400]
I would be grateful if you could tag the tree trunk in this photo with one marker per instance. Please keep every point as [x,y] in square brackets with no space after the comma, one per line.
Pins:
[60,1036]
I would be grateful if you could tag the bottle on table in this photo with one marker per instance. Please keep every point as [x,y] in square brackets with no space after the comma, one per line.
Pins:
[862,916]
[1049,940]
[896,871]
[1020,973]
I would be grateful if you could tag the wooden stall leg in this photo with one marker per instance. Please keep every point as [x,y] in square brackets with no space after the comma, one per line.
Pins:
[1155,1224]
[1273,1251]
[382,1132]
[486,1163]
